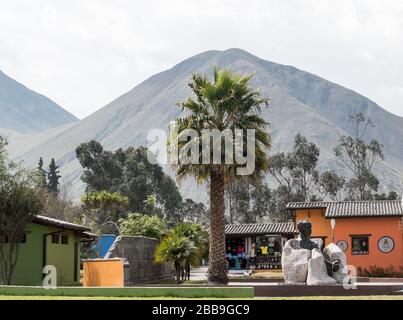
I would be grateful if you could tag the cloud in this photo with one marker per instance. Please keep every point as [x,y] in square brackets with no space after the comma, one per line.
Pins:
[83,54]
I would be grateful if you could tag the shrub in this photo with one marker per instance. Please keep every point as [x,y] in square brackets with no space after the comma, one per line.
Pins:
[137,224]
[379,272]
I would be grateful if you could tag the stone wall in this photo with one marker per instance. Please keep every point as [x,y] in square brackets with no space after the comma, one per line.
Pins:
[139,252]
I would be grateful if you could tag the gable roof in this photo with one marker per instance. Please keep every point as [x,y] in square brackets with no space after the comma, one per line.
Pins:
[365,209]
[260,228]
[47,221]
[353,208]
[307,205]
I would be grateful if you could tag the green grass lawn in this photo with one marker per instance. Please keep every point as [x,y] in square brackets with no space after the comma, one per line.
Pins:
[172,298]
[131,292]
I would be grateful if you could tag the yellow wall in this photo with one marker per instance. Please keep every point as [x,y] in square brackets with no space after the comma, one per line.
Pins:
[103,273]
[320,226]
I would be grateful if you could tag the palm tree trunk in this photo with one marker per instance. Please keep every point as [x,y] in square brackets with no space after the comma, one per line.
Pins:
[217,272]
[177,273]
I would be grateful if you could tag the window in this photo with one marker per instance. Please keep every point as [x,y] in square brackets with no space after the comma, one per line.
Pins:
[360,245]
[65,239]
[55,238]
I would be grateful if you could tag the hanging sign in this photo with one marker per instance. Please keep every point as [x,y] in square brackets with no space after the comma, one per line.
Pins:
[386,244]
[342,244]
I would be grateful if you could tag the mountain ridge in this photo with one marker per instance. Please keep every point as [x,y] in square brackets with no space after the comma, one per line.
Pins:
[24,111]
[300,102]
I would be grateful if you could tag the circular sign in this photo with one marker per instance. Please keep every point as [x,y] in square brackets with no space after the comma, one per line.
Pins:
[386,244]
[342,244]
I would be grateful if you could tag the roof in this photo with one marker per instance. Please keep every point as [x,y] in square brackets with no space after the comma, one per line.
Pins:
[307,205]
[47,221]
[89,235]
[365,209]
[260,228]
[353,208]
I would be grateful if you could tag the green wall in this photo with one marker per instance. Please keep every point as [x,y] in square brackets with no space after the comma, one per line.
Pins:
[29,264]
[62,257]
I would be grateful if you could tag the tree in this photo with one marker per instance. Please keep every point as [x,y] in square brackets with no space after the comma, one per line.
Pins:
[237,197]
[137,224]
[297,171]
[247,202]
[104,209]
[178,250]
[53,177]
[129,173]
[281,196]
[331,185]
[42,174]
[19,203]
[102,168]
[18,206]
[392,195]
[262,197]
[227,103]
[185,246]
[304,164]
[60,206]
[296,174]
[196,233]
[3,158]
[360,158]
[199,236]
[194,212]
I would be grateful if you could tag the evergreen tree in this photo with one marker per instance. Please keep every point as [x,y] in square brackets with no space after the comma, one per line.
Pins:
[42,174]
[53,177]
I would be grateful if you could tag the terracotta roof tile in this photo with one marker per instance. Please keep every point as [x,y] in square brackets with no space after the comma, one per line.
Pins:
[353,208]
[365,209]
[260,228]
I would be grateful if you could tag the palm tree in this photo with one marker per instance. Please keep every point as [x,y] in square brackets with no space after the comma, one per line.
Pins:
[180,251]
[226,103]
[199,236]
[196,233]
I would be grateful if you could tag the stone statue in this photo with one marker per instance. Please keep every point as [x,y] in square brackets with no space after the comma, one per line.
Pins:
[304,263]
[303,242]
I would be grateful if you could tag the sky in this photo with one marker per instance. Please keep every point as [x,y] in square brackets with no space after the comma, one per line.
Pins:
[84,54]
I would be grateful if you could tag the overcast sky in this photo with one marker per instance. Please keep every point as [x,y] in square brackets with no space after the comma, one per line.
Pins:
[85,53]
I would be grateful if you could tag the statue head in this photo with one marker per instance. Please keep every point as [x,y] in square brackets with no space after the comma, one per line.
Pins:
[305,228]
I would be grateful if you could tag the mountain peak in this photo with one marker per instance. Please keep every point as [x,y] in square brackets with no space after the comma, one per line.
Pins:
[237,51]
[25,111]
[299,103]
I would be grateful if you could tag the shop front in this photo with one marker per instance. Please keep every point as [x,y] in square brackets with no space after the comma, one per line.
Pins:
[256,246]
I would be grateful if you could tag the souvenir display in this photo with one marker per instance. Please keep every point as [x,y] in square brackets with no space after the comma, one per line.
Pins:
[262,252]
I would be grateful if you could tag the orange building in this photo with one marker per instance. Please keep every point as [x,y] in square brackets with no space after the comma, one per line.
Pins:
[369,232]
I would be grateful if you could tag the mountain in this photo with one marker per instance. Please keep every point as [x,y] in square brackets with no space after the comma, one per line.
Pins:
[300,102]
[23,111]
